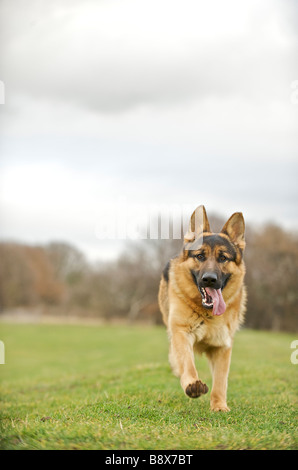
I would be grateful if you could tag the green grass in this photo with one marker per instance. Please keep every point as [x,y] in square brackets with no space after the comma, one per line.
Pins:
[110,387]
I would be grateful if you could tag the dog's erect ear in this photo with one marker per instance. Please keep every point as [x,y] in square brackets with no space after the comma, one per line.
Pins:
[198,224]
[235,228]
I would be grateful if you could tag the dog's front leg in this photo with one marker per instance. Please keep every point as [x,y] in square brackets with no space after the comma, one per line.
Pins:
[219,360]
[182,361]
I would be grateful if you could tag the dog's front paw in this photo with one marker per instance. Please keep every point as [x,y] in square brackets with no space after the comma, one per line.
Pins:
[219,407]
[196,389]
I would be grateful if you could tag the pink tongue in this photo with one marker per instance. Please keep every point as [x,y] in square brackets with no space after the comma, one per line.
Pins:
[219,305]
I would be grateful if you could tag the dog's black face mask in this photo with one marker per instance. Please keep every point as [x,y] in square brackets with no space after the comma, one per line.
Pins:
[210,285]
[210,275]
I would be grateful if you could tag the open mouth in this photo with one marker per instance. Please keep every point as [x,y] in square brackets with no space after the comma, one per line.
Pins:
[213,299]
[206,298]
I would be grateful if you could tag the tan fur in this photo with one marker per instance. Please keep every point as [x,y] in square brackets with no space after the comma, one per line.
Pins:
[191,327]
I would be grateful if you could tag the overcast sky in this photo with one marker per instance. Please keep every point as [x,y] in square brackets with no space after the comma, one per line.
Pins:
[148,102]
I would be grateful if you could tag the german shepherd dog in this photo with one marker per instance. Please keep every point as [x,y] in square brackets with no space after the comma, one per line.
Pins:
[202,298]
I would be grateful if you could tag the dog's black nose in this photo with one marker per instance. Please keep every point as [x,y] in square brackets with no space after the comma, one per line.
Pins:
[210,279]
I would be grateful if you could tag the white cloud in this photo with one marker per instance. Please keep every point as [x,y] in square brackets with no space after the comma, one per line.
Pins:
[114,55]
[183,102]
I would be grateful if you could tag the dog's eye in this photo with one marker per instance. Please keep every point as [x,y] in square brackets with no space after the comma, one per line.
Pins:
[200,257]
[222,258]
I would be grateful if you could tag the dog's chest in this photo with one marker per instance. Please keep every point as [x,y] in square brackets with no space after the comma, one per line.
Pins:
[214,333]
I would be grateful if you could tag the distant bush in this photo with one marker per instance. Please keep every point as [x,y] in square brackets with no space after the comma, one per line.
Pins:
[271,278]
[58,275]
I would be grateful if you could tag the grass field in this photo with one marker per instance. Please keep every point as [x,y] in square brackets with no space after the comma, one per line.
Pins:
[110,387]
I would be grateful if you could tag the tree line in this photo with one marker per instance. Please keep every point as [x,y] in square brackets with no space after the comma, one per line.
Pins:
[58,277]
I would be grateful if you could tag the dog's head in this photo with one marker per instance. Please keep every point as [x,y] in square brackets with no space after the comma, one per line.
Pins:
[215,260]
